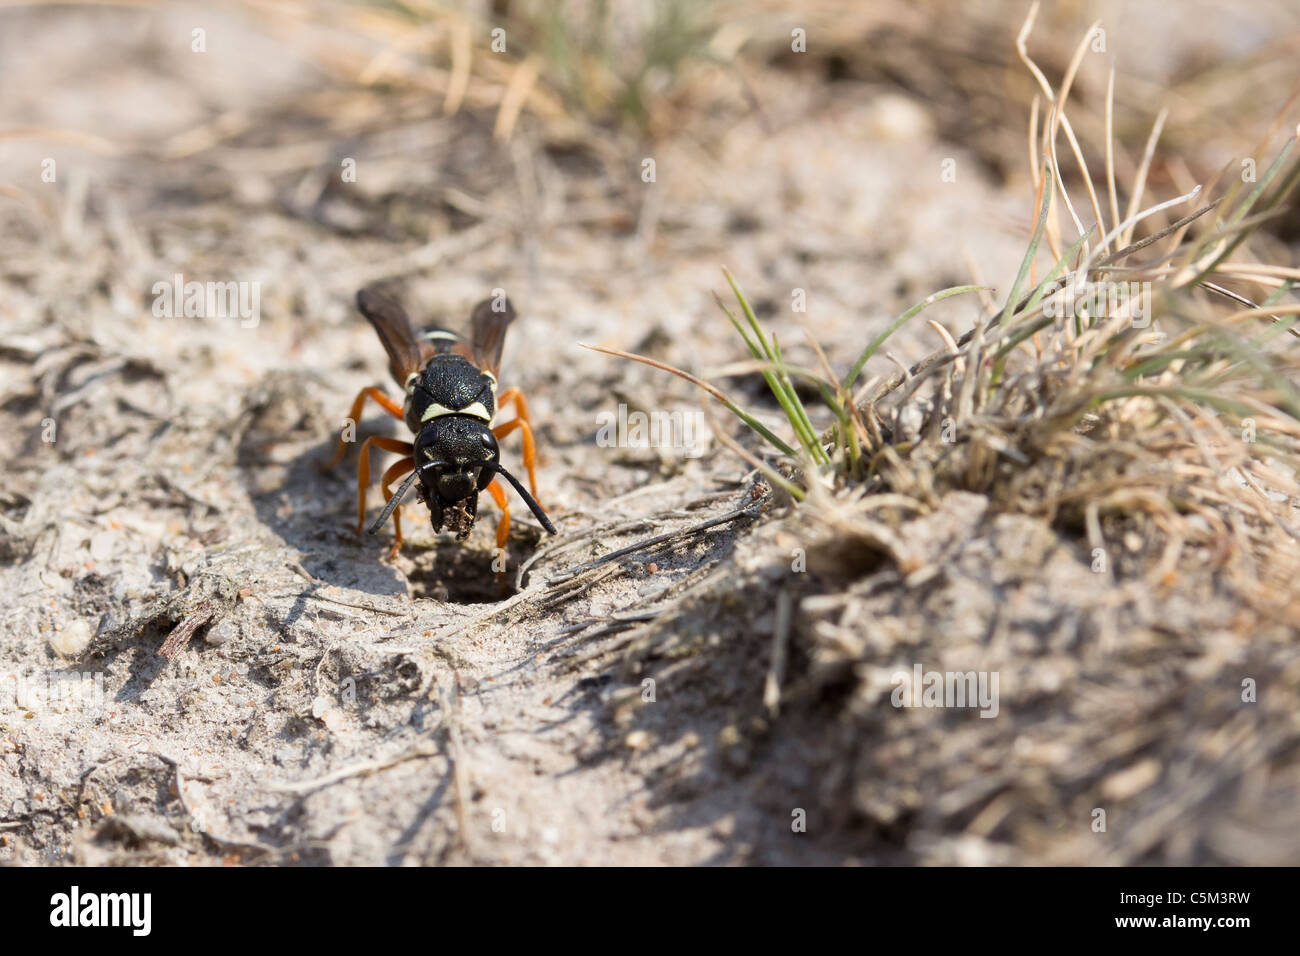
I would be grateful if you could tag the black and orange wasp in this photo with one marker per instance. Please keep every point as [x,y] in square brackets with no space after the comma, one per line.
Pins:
[450,385]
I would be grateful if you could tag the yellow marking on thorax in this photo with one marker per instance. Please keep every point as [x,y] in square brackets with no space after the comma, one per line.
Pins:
[476,410]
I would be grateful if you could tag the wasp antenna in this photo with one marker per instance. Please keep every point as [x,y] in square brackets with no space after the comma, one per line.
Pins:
[393,502]
[533,506]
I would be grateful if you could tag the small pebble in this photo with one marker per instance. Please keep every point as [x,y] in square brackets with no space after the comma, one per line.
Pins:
[72,639]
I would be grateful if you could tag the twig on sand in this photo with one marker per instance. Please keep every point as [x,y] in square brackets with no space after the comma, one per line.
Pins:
[748,510]
[780,645]
[449,701]
[561,595]
[360,607]
[200,614]
[362,769]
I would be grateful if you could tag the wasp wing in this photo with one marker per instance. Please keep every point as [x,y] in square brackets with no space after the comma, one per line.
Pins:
[487,331]
[394,329]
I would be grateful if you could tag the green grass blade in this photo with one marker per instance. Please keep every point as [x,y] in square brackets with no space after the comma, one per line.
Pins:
[898,323]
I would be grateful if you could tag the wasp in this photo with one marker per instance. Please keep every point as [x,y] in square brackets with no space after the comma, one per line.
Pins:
[450,386]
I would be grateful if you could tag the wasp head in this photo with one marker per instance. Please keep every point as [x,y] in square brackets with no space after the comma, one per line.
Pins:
[456,457]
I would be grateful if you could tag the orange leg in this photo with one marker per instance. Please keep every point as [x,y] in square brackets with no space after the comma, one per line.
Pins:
[503,526]
[380,399]
[363,469]
[530,449]
[516,396]
[397,470]
[520,422]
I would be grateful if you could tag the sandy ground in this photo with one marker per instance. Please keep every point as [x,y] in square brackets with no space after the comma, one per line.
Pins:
[336,705]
